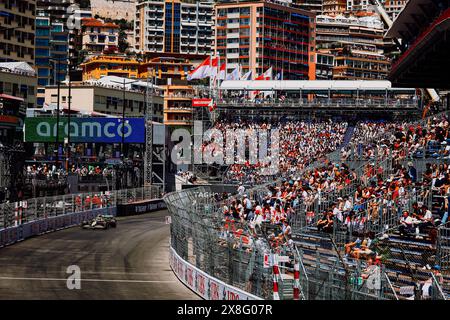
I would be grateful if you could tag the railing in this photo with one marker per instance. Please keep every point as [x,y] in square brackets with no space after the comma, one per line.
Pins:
[223,248]
[16,213]
[443,246]
[326,103]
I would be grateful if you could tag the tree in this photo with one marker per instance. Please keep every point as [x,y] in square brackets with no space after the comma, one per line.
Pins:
[123,43]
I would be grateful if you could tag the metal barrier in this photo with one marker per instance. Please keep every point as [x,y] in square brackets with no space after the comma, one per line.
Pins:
[17,213]
[223,248]
[443,246]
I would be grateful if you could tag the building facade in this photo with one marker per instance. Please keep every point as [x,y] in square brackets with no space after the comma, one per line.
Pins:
[166,71]
[315,6]
[52,53]
[98,36]
[356,44]
[110,65]
[178,105]
[17,20]
[18,79]
[358,5]
[393,7]
[257,35]
[17,93]
[159,70]
[96,98]
[334,7]
[174,26]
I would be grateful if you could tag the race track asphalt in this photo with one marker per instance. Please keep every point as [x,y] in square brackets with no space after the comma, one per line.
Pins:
[129,262]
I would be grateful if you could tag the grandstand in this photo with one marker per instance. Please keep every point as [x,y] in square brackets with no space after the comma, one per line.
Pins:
[376,198]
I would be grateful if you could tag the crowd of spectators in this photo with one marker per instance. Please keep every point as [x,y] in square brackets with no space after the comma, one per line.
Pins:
[300,143]
[386,192]
[400,140]
[47,172]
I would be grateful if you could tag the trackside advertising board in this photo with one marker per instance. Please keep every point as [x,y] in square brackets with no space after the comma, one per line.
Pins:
[203,284]
[105,130]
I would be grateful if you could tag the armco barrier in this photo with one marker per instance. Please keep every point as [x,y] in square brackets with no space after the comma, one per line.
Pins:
[204,285]
[30,229]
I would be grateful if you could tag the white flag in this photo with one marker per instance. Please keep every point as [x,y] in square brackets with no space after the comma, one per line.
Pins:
[247,76]
[234,75]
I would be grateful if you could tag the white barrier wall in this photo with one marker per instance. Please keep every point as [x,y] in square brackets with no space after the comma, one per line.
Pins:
[29,229]
[204,285]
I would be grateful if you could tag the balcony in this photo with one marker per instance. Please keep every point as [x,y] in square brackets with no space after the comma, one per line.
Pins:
[234,15]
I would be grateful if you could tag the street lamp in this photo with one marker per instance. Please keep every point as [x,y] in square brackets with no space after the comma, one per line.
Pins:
[58,60]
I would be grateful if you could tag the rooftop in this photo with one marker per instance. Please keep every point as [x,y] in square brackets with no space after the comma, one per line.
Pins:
[22,68]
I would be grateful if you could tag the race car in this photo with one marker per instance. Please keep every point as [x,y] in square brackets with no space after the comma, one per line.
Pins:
[100,222]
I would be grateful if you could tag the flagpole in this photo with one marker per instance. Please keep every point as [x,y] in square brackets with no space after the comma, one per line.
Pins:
[210,77]
[218,73]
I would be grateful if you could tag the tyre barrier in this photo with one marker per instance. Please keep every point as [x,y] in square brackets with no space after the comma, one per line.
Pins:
[204,285]
[27,230]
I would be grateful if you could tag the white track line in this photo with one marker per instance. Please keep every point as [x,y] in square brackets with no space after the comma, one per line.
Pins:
[88,280]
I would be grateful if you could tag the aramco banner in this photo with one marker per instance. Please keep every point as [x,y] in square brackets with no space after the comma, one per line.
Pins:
[106,130]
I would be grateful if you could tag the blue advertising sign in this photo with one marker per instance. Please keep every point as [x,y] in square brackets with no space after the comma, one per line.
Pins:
[104,130]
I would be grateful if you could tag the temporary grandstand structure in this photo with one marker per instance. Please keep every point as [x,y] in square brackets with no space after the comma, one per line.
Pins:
[311,85]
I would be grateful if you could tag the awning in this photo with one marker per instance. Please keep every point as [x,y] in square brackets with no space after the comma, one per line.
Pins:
[296,85]
[9,97]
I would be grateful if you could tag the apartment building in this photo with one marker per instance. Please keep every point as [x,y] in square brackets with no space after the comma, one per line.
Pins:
[257,35]
[356,44]
[17,30]
[358,5]
[104,97]
[18,82]
[334,7]
[110,65]
[98,36]
[393,7]
[176,27]
[315,6]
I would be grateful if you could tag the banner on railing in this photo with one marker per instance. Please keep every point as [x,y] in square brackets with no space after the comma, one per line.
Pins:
[203,284]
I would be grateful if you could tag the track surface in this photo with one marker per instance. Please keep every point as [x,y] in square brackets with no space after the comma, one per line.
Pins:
[129,262]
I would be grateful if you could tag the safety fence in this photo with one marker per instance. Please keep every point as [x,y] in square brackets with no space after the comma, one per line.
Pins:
[17,213]
[443,246]
[225,250]
[258,259]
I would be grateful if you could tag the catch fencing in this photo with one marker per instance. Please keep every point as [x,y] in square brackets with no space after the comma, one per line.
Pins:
[224,249]
[17,213]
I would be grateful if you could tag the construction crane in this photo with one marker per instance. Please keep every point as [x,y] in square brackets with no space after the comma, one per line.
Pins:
[379,8]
